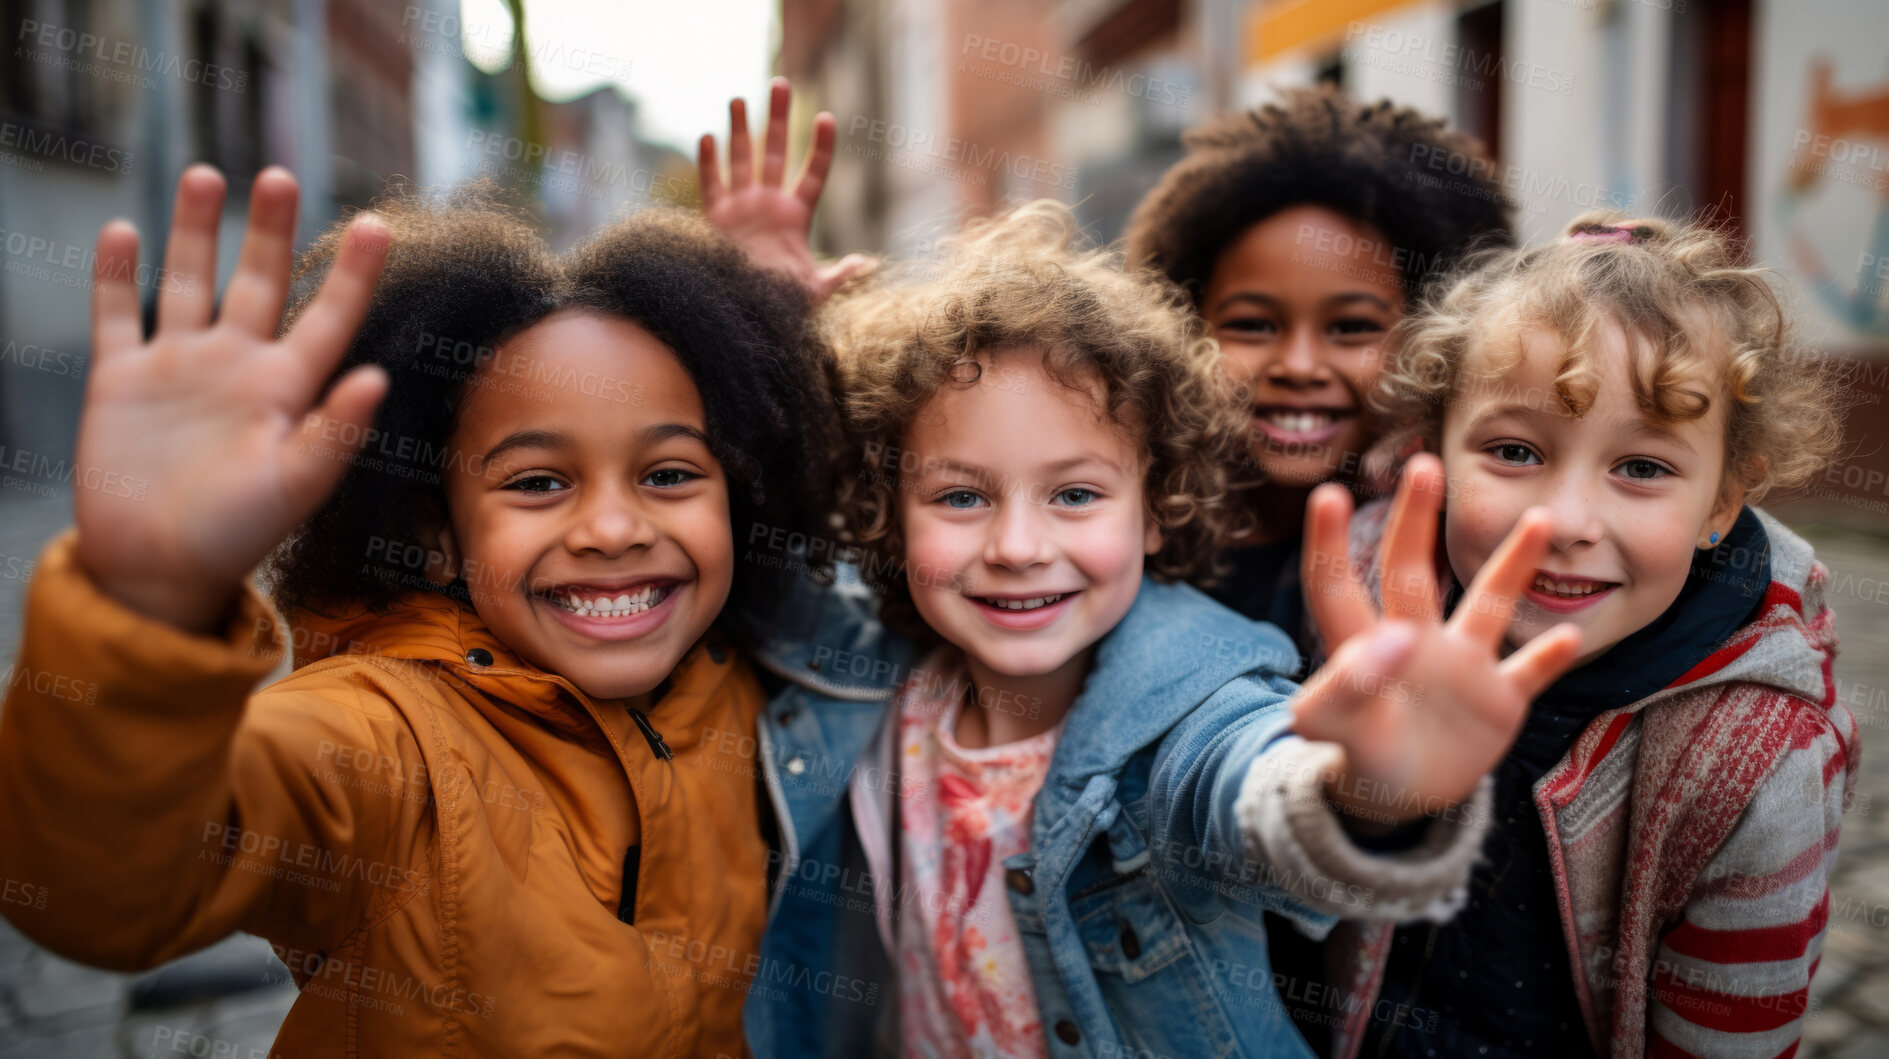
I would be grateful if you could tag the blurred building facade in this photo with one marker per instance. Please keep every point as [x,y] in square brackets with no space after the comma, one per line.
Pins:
[104,102]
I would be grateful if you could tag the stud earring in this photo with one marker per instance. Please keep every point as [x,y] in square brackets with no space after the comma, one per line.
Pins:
[1715,537]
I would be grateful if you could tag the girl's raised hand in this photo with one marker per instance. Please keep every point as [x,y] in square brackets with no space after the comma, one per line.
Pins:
[201,448]
[1422,707]
[765,219]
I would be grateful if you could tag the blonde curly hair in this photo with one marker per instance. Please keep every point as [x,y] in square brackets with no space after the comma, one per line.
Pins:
[1027,279]
[1679,288]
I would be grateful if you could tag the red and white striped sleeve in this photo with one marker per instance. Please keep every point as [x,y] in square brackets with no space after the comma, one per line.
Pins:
[1732,978]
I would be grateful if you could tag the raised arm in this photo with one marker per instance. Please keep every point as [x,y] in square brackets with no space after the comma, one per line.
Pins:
[154,807]
[760,213]
[1395,734]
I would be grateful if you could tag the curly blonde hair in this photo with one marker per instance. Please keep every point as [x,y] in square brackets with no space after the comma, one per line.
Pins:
[1027,279]
[1678,288]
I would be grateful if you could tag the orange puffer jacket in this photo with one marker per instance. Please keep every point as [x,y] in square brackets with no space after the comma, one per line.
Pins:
[431,832]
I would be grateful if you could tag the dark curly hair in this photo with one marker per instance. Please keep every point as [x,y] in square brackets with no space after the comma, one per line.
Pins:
[465,272]
[1026,280]
[1432,192]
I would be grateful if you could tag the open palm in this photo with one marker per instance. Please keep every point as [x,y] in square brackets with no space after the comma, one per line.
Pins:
[1423,707]
[201,448]
[762,216]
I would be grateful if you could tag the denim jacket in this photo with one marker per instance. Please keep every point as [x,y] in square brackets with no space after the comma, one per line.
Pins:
[1178,809]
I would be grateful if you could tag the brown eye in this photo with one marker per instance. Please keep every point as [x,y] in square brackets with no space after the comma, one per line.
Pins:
[669,478]
[1514,454]
[1644,470]
[1248,327]
[1356,325]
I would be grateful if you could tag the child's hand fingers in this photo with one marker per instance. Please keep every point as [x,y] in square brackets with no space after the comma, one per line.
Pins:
[774,147]
[1340,605]
[708,171]
[1489,606]
[314,464]
[740,148]
[187,295]
[261,282]
[321,337]
[1345,688]
[1408,558]
[117,321]
[819,159]
[1541,661]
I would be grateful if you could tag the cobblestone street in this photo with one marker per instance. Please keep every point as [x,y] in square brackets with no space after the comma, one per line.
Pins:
[228,1000]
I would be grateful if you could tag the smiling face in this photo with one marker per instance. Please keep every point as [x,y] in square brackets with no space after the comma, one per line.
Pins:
[1026,518]
[1632,496]
[592,526]
[1301,303]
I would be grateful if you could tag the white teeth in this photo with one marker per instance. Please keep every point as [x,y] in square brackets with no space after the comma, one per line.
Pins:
[1026,604]
[619,606]
[1300,422]
[1544,583]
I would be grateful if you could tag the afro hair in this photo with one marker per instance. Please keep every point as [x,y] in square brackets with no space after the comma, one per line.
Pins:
[1431,192]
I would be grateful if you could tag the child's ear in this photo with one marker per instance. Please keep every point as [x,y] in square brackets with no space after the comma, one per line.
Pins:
[442,550]
[1151,540]
[1731,500]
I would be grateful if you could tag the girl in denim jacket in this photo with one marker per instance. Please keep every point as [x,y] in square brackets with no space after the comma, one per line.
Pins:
[1063,837]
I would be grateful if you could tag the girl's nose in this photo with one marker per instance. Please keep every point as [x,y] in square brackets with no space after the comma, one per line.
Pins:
[610,522]
[1577,516]
[1296,359]
[1018,539]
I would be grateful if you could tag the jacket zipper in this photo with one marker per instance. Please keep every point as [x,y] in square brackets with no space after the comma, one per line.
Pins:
[790,846]
[652,735]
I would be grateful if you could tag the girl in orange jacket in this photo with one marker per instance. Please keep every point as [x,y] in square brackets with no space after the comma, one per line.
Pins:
[489,812]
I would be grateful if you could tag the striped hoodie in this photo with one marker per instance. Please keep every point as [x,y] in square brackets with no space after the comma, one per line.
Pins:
[1692,835]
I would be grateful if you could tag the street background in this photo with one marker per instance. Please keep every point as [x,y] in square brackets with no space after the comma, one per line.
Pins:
[1771,116]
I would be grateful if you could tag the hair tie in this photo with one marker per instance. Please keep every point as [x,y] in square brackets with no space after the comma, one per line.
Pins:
[1611,233]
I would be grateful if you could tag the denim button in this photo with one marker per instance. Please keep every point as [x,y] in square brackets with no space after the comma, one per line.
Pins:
[479,656]
[1019,880]
[717,653]
[1067,1033]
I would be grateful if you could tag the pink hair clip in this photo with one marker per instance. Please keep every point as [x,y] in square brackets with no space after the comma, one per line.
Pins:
[1611,233]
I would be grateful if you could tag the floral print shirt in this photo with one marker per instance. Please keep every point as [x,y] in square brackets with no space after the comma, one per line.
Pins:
[963,980]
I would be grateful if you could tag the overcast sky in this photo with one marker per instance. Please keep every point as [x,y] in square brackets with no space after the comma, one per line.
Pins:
[680,60]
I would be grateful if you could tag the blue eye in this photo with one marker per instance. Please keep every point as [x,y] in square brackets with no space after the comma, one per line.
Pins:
[669,478]
[1513,454]
[1643,470]
[960,499]
[1076,496]
[537,483]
